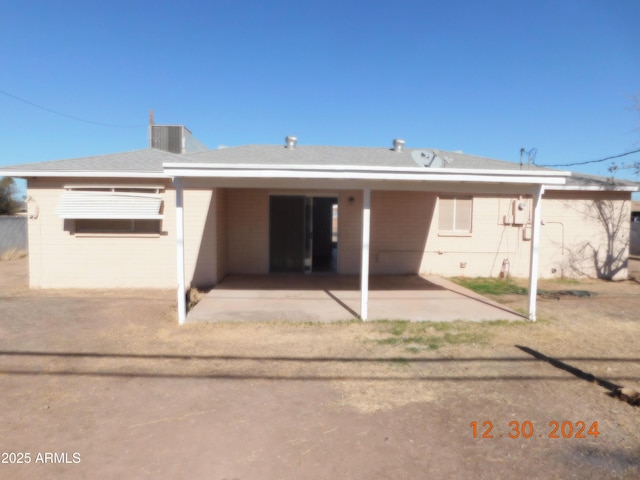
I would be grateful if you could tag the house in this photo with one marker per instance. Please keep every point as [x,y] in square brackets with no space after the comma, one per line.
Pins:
[177,213]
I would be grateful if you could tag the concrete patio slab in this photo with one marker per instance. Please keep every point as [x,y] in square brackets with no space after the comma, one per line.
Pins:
[329,298]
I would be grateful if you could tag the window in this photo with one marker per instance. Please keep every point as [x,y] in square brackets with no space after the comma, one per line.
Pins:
[110,202]
[455,214]
[112,209]
[117,226]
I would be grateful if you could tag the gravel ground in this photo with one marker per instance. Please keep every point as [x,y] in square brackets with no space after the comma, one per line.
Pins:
[105,385]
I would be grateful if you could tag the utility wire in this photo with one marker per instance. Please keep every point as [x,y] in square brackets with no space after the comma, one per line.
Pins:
[68,116]
[589,161]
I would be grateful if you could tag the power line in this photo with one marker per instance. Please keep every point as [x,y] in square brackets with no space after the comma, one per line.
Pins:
[589,161]
[68,116]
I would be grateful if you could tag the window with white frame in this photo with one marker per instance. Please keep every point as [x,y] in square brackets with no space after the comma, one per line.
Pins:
[454,214]
[112,208]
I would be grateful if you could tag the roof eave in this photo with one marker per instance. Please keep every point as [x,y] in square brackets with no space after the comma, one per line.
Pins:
[343,167]
[80,174]
[199,170]
[596,188]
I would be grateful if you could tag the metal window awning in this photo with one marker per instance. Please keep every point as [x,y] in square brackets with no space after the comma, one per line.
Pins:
[82,204]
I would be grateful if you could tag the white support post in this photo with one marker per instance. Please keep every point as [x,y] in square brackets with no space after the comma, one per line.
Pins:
[364,272]
[182,301]
[535,251]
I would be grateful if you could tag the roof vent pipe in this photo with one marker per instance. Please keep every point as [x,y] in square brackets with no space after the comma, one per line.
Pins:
[398,145]
[291,142]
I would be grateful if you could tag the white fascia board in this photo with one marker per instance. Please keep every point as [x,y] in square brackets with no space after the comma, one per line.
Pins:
[201,168]
[80,174]
[470,188]
[446,175]
[94,216]
[102,186]
[595,188]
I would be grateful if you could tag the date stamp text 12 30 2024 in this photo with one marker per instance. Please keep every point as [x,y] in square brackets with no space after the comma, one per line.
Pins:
[526,429]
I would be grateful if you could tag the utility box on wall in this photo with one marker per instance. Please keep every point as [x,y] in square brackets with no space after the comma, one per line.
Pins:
[520,209]
[517,213]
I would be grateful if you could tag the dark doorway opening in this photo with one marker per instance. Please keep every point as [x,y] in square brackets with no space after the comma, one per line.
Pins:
[286,234]
[303,234]
[325,248]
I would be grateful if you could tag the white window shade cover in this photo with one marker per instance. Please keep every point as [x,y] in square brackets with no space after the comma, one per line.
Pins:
[76,204]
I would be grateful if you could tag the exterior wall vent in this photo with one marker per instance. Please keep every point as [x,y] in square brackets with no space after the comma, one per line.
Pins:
[398,145]
[291,142]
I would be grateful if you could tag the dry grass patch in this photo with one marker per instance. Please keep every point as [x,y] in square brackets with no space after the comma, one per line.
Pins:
[13,254]
[417,337]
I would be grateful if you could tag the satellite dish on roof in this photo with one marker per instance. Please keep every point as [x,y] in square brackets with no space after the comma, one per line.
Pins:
[427,158]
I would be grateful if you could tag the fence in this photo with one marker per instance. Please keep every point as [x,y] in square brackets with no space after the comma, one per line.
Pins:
[13,233]
[634,243]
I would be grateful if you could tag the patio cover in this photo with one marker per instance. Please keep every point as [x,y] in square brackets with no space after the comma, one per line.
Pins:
[365,178]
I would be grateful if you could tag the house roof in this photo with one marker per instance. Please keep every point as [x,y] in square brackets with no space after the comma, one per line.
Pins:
[347,156]
[147,161]
[305,155]
[150,162]
[382,157]
[584,181]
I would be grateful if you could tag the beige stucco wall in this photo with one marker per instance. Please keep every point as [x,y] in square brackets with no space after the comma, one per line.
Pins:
[204,237]
[578,238]
[405,237]
[481,252]
[247,231]
[60,258]
[571,226]
[221,233]
[400,225]
[349,232]
[227,231]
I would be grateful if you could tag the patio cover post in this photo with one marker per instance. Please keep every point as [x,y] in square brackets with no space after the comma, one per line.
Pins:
[364,272]
[182,301]
[535,251]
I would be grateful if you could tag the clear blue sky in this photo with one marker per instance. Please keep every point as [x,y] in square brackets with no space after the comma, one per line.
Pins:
[485,77]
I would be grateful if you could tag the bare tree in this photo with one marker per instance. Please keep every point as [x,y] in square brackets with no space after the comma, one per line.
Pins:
[8,204]
[606,253]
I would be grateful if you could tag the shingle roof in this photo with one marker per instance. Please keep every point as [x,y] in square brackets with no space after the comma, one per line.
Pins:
[150,161]
[303,155]
[146,160]
[350,156]
[584,180]
[464,160]
[372,156]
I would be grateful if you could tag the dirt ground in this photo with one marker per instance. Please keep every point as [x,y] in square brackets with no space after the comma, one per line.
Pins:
[110,384]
